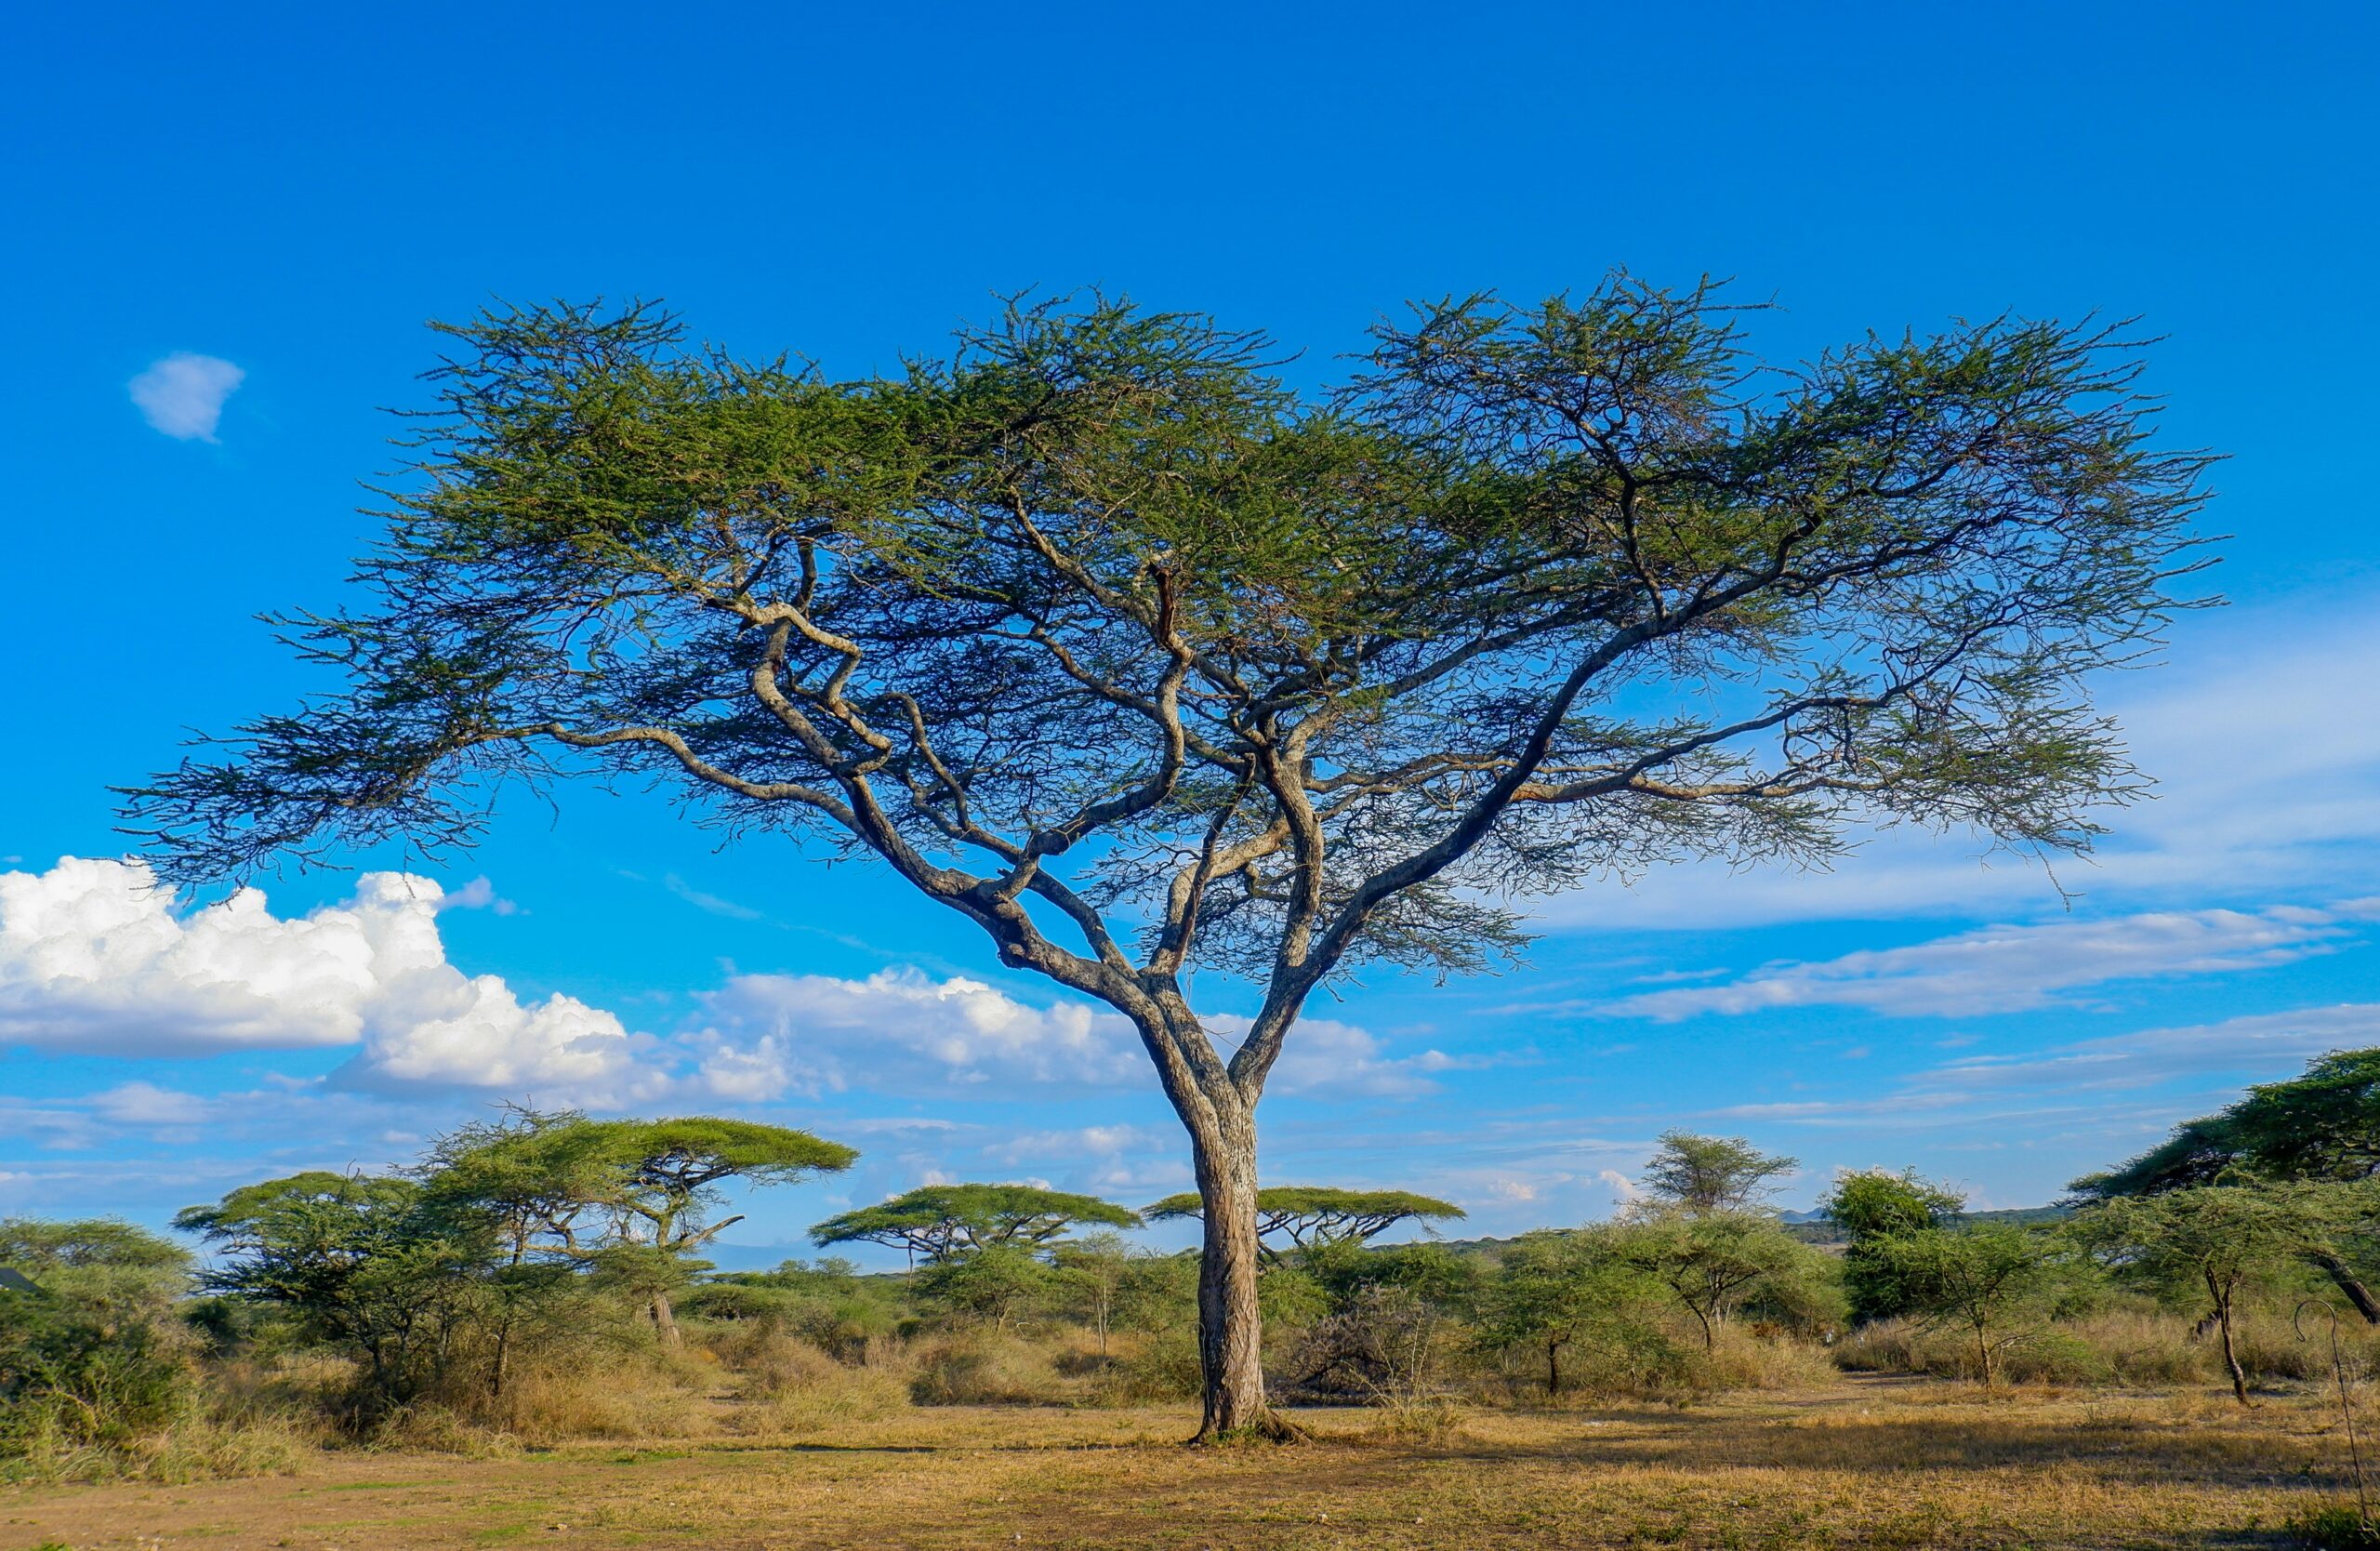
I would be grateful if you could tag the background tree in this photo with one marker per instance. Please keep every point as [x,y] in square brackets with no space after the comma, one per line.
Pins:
[1310,1217]
[2212,1241]
[1710,1173]
[633,1198]
[996,1284]
[1993,1279]
[2321,1125]
[1095,1268]
[91,1353]
[944,1222]
[1101,635]
[361,1262]
[1550,1290]
[1713,1261]
[1873,1210]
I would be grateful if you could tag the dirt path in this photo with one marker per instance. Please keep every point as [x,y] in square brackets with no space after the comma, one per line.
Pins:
[1862,1464]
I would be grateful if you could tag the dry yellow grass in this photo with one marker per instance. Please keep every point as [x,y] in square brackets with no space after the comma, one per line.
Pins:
[1875,1462]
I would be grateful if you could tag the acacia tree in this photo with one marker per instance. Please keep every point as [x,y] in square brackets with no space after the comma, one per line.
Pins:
[2323,1124]
[2213,1240]
[1710,1173]
[1313,1215]
[1993,1278]
[1100,634]
[946,1222]
[632,1196]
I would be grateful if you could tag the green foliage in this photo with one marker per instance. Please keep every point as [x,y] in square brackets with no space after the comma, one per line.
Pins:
[943,1222]
[2323,1124]
[367,1263]
[996,1285]
[1873,1208]
[90,1355]
[1554,1291]
[1710,1173]
[1712,1261]
[2212,1242]
[1996,1282]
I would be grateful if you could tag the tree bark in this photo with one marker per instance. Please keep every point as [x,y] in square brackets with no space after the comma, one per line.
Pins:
[1231,1326]
[665,1321]
[2357,1294]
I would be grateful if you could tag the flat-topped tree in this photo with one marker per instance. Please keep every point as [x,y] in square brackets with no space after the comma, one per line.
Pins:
[1100,634]
[635,1195]
[945,1222]
[1313,1215]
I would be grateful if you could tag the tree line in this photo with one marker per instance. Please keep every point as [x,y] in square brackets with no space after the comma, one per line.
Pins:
[526,1232]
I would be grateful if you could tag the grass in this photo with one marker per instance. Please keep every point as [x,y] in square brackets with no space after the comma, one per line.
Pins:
[1867,1462]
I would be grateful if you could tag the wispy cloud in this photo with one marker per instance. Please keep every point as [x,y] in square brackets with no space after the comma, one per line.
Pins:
[2268,786]
[2008,969]
[183,395]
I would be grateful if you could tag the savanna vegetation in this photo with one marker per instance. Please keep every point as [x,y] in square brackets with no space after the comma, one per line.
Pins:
[534,1285]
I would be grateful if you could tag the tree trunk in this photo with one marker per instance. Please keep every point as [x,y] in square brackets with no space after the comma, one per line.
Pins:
[2230,1357]
[1230,1323]
[1554,1370]
[2357,1294]
[665,1321]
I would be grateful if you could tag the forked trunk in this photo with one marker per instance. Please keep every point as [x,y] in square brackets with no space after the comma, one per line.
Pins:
[1230,1329]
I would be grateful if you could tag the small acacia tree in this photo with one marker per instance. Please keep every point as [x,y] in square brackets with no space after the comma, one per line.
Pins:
[1992,1278]
[634,1197]
[1100,634]
[1311,1216]
[946,1222]
[2212,1241]
[1710,1173]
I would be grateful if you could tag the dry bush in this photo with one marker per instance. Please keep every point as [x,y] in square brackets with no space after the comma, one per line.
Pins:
[1739,1359]
[1150,1368]
[788,1385]
[987,1367]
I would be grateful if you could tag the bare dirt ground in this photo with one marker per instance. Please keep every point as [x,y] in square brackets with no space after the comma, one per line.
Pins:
[1868,1463]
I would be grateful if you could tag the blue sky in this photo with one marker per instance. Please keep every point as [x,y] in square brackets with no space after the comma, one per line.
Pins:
[251,216]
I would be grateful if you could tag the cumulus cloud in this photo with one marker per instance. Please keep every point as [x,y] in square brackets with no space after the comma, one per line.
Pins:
[899,1031]
[2007,969]
[95,958]
[183,395]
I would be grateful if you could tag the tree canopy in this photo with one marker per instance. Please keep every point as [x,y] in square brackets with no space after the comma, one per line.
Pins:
[2321,1124]
[1311,1215]
[1710,1173]
[946,1222]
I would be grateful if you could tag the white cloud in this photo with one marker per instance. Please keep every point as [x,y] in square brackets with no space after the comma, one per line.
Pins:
[95,958]
[2005,968]
[183,395]
[145,1103]
[900,1031]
